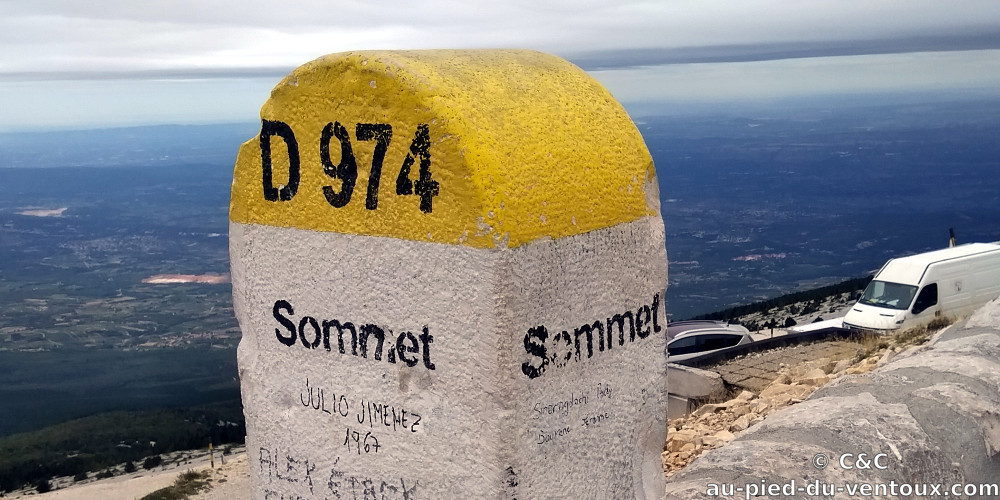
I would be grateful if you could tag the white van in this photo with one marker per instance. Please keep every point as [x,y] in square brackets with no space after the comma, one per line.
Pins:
[912,290]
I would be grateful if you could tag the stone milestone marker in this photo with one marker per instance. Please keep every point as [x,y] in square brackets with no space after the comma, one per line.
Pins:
[449,267]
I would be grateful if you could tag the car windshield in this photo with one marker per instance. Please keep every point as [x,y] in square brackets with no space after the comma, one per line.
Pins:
[888,295]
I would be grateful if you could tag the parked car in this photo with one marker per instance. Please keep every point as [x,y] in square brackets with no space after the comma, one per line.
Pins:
[687,339]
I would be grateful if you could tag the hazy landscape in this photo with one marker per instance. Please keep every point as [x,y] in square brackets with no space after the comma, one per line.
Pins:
[114,291]
[793,195]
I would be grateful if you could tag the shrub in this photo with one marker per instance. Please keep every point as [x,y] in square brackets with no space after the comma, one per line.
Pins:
[129,466]
[913,336]
[871,344]
[939,323]
[188,483]
[80,476]
[152,462]
[44,486]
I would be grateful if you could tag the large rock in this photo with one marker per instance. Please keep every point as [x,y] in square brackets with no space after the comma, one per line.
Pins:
[929,416]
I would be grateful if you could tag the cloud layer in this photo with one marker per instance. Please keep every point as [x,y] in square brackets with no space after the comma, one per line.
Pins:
[112,62]
[61,37]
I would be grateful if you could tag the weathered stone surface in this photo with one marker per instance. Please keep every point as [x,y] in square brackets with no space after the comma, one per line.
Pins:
[706,408]
[781,394]
[841,365]
[959,398]
[815,377]
[741,424]
[932,413]
[448,267]
[677,441]
[718,439]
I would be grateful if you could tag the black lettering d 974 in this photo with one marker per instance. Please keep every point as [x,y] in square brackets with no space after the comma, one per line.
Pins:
[382,134]
[270,128]
[346,170]
[425,187]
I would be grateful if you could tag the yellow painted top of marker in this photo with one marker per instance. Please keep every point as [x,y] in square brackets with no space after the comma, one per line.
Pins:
[484,148]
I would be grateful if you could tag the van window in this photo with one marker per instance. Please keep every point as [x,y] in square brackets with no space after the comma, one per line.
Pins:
[927,298]
[888,295]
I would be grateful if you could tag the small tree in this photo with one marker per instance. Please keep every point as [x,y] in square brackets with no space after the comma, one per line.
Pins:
[80,476]
[129,466]
[790,322]
[152,462]
[44,486]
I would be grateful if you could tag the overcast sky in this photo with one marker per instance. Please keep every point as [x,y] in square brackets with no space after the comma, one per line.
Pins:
[70,63]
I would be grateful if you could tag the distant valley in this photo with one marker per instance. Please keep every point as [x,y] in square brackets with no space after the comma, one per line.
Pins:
[788,198]
[756,204]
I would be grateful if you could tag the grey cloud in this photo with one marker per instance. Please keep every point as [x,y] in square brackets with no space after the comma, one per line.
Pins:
[634,58]
[187,35]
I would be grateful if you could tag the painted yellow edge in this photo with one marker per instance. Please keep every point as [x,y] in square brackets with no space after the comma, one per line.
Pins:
[524,145]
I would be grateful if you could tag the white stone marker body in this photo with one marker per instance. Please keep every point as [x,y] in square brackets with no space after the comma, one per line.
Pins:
[438,354]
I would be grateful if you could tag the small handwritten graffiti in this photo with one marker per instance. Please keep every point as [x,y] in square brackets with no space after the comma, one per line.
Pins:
[589,407]
[358,487]
[285,469]
[358,442]
[316,400]
[596,419]
[275,495]
[384,415]
[511,483]
[604,390]
[511,478]
[281,472]
[326,403]
[378,416]
[546,436]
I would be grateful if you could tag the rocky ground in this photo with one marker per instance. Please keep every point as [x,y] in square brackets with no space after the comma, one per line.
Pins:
[713,425]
